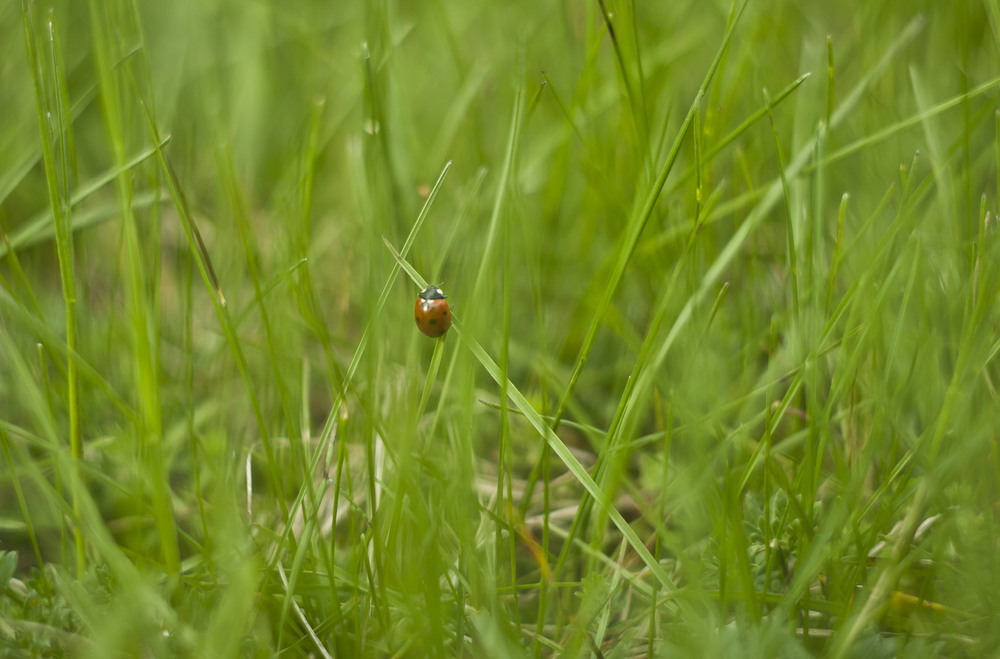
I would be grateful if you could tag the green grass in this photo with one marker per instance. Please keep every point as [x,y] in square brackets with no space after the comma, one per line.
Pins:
[722,374]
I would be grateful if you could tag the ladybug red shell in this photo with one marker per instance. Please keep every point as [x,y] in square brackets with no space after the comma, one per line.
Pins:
[432,313]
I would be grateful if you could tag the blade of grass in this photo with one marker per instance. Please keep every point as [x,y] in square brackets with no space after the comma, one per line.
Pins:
[54,156]
[830,96]
[492,232]
[791,232]
[41,228]
[505,508]
[15,480]
[145,348]
[636,104]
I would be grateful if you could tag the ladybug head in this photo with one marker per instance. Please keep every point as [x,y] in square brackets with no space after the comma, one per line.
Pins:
[432,293]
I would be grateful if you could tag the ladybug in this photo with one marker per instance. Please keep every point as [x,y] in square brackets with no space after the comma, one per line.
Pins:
[432,313]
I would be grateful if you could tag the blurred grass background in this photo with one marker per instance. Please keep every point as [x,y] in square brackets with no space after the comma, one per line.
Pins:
[723,374]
